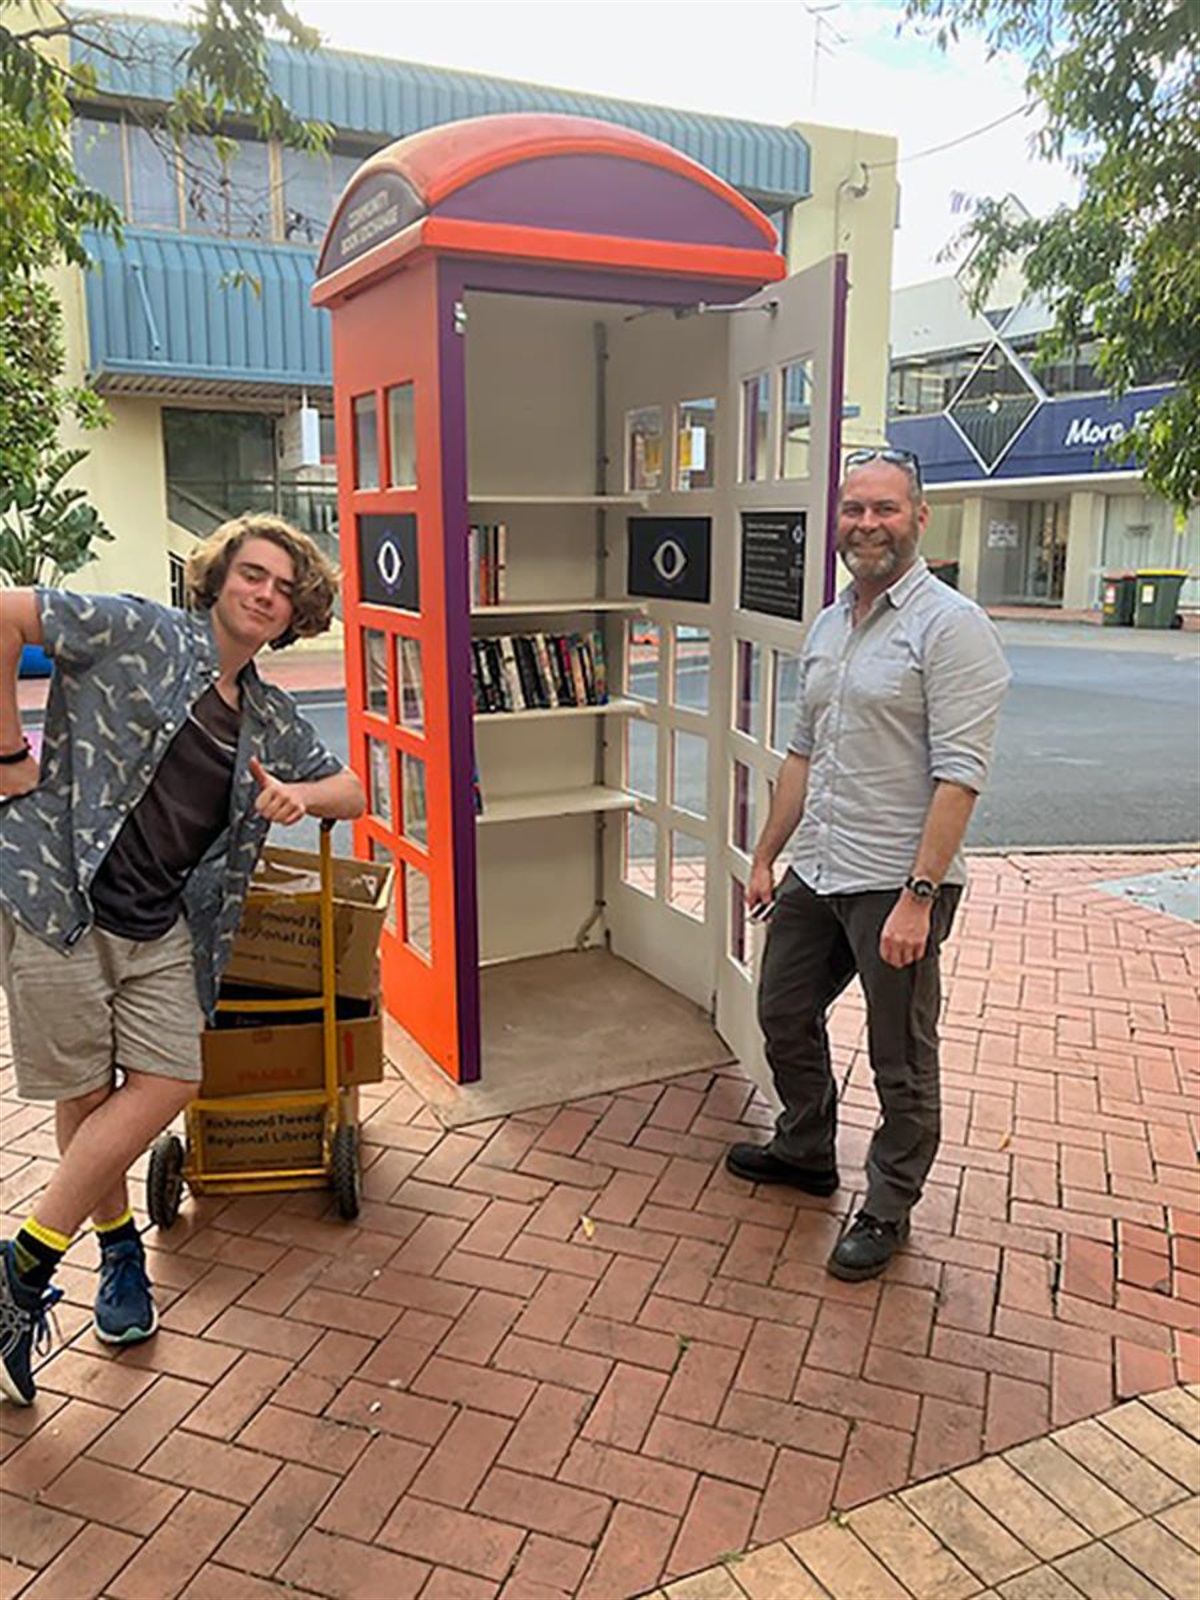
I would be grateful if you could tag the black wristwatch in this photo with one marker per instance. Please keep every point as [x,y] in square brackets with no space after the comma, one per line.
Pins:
[13,757]
[922,888]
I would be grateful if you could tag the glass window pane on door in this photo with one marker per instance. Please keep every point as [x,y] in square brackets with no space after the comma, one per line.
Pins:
[411,684]
[743,820]
[784,698]
[416,819]
[380,853]
[639,866]
[739,924]
[686,888]
[375,672]
[379,780]
[644,649]
[689,773]
[366,443]
[695,445]
[748,706]
[756,428]
[641,758]
[644,459]
[418,933]
[402,436]
[693,663]
[797,420]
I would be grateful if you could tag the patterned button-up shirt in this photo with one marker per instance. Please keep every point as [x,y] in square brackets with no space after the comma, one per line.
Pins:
[907,699]
[126,673]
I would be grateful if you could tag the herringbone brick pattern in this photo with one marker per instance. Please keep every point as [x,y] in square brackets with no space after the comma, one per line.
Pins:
[564,1353]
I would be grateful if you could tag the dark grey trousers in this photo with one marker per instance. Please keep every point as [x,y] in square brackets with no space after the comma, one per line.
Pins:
[815,946]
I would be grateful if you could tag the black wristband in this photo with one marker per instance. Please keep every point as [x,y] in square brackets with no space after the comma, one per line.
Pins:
[14,756]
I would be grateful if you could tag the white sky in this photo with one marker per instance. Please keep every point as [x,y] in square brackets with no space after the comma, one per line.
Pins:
[753,59]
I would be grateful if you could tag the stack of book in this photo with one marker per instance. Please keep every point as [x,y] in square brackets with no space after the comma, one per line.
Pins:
[539,671]
[488,553]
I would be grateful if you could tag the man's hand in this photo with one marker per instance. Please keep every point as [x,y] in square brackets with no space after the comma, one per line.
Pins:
[760,889]
[277,802]
[906,931]
[20,778]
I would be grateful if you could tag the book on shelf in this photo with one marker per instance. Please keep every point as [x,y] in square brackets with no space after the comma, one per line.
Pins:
[487,546]
[538,672]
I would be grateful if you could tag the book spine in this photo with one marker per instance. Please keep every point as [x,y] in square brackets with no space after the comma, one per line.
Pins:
[576,665]
[600,667]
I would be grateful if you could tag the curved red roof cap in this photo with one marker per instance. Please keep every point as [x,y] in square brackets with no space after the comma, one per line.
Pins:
[439,161]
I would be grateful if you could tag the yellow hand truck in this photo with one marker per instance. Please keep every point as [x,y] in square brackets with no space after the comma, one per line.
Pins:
[174,1164]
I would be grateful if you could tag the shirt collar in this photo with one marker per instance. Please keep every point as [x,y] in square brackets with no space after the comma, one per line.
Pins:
[895,594]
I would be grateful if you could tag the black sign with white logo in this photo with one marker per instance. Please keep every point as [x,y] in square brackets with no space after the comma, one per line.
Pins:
[773,563]
[381,207]
[669,557]
[389,574]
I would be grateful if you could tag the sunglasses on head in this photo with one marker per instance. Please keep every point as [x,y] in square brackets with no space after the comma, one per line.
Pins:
[905,459]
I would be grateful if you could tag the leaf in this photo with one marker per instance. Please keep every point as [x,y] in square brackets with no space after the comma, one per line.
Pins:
[588,1226]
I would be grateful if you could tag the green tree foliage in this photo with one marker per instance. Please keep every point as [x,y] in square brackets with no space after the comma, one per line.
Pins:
[1118,82]
[46,209]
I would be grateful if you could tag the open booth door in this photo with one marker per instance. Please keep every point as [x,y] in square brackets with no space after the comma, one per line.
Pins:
[775,572]
[405,696]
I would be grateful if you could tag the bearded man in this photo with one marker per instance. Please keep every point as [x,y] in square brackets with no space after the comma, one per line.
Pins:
[901,684]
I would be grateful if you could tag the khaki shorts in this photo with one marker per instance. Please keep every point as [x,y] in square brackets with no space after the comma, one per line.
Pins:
[110,1002]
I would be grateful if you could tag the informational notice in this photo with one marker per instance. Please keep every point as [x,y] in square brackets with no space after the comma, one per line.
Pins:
[772,568]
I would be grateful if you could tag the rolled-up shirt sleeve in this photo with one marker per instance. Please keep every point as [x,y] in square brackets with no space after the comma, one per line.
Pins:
[966,677]
[307,757]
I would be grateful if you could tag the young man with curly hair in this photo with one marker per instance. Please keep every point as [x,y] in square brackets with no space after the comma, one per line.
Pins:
[125,857]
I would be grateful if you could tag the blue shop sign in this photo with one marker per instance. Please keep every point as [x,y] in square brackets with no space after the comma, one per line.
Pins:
[1063,438]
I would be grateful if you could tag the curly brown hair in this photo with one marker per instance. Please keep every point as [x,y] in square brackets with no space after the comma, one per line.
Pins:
[316,582]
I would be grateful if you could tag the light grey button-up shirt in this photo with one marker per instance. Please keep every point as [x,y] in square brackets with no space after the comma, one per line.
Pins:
[126,672]
[907,699]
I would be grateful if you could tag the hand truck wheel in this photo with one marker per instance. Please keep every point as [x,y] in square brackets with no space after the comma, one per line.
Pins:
[164,1181]
[346,1174]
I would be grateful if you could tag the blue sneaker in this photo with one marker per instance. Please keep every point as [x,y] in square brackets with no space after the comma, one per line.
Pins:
[24,1330]
[125,1310]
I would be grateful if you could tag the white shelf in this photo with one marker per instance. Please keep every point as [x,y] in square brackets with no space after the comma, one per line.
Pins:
[600,500]
[556,803]
[617,708]
[546,608]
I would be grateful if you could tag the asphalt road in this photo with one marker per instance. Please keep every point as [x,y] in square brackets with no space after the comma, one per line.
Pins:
[1099,740]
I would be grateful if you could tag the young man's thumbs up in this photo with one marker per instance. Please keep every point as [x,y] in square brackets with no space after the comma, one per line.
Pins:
[277,802]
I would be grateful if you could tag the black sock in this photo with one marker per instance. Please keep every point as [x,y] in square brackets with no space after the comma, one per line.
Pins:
[118,1231]
[36,1253]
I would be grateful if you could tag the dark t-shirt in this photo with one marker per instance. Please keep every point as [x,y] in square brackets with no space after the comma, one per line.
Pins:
[138,888]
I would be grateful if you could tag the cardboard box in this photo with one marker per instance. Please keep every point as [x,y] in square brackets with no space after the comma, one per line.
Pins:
[278,946]
[253,1059]
[251,1139]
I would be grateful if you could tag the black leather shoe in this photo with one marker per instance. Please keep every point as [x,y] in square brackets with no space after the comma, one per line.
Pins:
[866,1247]
[756,1164]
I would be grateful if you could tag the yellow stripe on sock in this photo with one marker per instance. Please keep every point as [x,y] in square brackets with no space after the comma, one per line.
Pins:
[59,1242]
[117,1222]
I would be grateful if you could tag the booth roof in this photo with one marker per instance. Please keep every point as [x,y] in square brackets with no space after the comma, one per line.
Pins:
[502,179]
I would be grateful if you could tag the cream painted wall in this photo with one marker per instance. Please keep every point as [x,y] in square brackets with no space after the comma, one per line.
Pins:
[853,209]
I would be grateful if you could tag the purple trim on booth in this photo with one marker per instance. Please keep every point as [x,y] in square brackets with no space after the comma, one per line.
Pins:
[837,383]
[452,390]
[455,279]
[604,195]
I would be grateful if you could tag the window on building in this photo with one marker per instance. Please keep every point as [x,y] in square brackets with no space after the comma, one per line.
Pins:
[311,186]
[921,386]
[227,192]
[177,577]
[153,172]
[219,464]
[100,157]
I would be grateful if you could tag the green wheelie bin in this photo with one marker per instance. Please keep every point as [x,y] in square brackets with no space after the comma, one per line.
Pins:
[1157,604]
[1118,593]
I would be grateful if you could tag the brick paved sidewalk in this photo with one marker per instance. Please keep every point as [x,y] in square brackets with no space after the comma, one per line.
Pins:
[564,1353]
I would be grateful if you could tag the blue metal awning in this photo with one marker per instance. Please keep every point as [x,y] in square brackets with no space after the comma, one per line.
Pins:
[387,99]
[187,314]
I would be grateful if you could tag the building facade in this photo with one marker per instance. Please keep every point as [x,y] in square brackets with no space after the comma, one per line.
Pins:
[1029,493]
[197,329]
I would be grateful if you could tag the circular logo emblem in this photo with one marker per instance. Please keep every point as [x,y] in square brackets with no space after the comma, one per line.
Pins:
[389,563]
[670,561]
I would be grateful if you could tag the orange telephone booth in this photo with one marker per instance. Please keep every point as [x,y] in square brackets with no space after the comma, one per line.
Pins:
[505,293]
